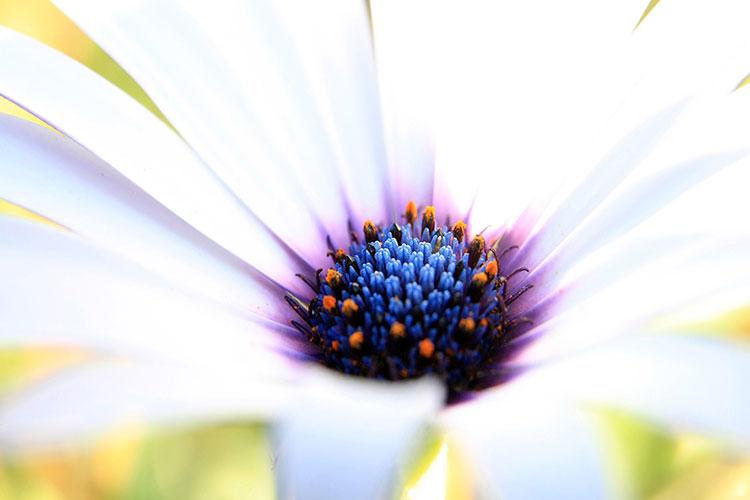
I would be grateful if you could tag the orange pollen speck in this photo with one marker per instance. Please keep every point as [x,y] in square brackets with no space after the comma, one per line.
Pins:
[329,303]
[478,241]
[398,330]
[371,231]
[459,230]
[411,212]
[333,278]
[480,279]
[335,345]
[349,308]
[467,325]
[340,254]
[491,268]
[356,340]
[428,218]
[426,348]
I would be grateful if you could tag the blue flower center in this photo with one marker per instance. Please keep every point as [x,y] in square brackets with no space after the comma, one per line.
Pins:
[409,300]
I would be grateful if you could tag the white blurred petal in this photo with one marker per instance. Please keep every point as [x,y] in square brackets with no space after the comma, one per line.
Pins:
[51,175]
[530,84]
[407,38]
[639,284]
[83,401]
[342,435]
[641,201]
[625,211]
[682,49]
[256,114]
[61,290]
[529,445]
[716,122]
[604,178]
[686,383]
[130,139]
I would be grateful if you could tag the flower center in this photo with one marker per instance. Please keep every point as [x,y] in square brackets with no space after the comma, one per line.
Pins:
[410,300]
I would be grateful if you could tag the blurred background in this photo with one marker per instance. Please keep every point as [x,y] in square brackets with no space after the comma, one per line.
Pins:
[234,460]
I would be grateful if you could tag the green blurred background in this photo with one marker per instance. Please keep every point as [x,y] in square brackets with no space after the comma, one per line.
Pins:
[234,460]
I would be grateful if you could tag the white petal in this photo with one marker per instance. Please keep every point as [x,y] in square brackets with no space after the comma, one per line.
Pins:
[87,400]
[336,54]
[715,124]
[121,132]
[687,383]
[642,200]
[407,37]
[681,48]
[527,94]
[640,283]
[62,290]
[537,118]
[621,214]
[348,436]
[598,184]
[51,175]
[251,115]
[529,445]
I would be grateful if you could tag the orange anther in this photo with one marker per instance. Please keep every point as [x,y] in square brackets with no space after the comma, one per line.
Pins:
[349,308]
[459,230]
[411,212]
[398,330]
[428,218]
[480,279]
[371,231]
[356,340]
[467,325]
[476,249]
[426,348]
[329,303]
[491,269]
[333,278]
[335,345]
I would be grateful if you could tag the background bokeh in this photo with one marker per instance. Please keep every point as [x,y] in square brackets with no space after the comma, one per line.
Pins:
[234,460]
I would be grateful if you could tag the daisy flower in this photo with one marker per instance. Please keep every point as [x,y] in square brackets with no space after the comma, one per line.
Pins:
[367,220]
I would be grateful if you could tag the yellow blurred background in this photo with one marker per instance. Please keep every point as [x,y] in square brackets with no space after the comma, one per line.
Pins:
[233,460]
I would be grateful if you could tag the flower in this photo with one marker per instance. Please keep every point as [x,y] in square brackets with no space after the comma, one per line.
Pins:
[173,259]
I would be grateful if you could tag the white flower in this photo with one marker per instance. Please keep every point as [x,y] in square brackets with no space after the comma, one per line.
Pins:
[550,122]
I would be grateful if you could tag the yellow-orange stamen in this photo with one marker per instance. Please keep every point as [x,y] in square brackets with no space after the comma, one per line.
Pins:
[329,303]
[459,230]
[356,340]
[480,279]
[476,249]
[467,325]
[411,212]
[426,348]
[335,345]
[349,308]
[428,218]
[491,269]
[398,330]
[371,231]
[333,278]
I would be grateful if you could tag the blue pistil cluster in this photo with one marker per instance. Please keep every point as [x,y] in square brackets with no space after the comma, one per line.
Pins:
[410,300]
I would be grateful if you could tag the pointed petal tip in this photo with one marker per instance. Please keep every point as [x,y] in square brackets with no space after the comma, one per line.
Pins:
[649,8]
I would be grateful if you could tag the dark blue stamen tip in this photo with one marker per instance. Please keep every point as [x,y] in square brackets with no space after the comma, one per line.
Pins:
[411,300]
